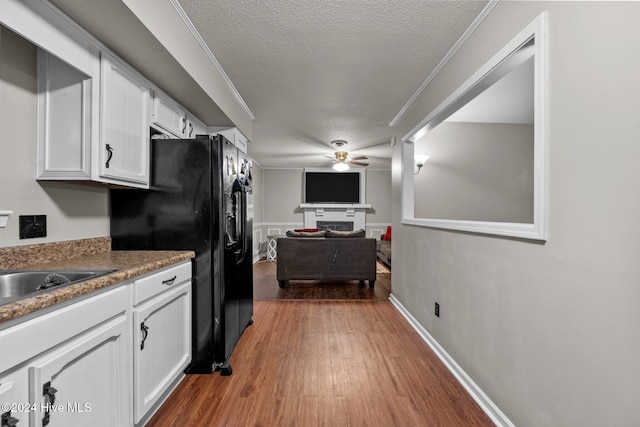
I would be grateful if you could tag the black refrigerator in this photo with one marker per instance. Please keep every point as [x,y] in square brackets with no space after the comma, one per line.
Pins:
[200,199]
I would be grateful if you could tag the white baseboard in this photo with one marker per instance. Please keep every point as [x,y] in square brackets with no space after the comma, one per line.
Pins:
[487,405]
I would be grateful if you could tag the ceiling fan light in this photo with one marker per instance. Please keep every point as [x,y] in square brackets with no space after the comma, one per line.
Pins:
[341,167]
[341,156]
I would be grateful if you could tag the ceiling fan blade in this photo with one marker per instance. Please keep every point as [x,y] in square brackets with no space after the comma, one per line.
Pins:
[359,158]
[358,163]
[331,157]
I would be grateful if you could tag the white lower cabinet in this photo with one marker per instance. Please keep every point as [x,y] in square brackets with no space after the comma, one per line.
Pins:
[84,382]
[162,331]
[71,366]
[14,391]
[106,360]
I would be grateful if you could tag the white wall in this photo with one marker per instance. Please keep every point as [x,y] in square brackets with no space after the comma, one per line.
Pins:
[549,331]
[73,211]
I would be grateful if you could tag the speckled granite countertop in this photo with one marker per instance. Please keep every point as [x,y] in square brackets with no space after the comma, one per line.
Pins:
[89,254]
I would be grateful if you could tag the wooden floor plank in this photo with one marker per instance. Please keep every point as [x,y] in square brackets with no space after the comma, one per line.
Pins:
[325,363]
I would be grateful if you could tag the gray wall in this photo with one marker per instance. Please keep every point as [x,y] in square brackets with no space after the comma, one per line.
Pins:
[282,196]
[73,211]
[549,331]
[476,171]
[258,207]
[379,197]
[258,178]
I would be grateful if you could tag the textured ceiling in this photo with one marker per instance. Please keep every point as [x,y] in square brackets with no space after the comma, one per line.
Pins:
[312,71]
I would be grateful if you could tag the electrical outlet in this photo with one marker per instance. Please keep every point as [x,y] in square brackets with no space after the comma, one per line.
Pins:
[32,226]
[437,310]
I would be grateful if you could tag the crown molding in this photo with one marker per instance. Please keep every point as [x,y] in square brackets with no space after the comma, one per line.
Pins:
[210,55]
[488,8]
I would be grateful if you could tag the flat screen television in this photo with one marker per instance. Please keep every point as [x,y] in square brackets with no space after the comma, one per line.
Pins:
[332,187]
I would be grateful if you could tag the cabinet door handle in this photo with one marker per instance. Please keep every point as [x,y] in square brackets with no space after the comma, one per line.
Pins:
[48,391]
[110,150]
[190,129]
[169,281]
[145,332]
[8,420]
[184,124]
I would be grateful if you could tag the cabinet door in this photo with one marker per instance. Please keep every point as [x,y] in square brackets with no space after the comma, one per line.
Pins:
[14,395]
[124,124]
[232,134]
[64,119]
[162,349]
[85,381]
[169,116]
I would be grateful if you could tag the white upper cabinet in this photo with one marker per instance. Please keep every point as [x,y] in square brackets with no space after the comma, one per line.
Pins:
[124,127]
[233,134]
[92,127]
[168,116]
[171,118]
[67,117]
[94,111]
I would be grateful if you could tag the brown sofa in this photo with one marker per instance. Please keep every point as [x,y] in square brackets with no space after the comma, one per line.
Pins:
[326,258]
[383,250]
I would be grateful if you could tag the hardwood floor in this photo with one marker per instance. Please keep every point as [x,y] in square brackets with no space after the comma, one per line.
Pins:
[265,287]
[325,363]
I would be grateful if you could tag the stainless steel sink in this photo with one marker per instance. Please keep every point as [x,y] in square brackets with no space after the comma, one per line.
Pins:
[15,285]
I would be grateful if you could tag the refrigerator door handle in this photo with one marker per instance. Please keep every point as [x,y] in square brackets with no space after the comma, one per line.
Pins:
[231,232]
[242,229]
[245,214]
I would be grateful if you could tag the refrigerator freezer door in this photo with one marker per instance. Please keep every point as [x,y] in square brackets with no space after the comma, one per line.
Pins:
[178,213]
[192,205]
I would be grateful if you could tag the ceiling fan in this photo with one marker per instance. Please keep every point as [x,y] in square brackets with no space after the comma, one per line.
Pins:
[342,159]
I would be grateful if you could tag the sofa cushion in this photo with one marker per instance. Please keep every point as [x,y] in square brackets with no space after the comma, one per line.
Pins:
[383,245]
[320,233]
[354,233]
